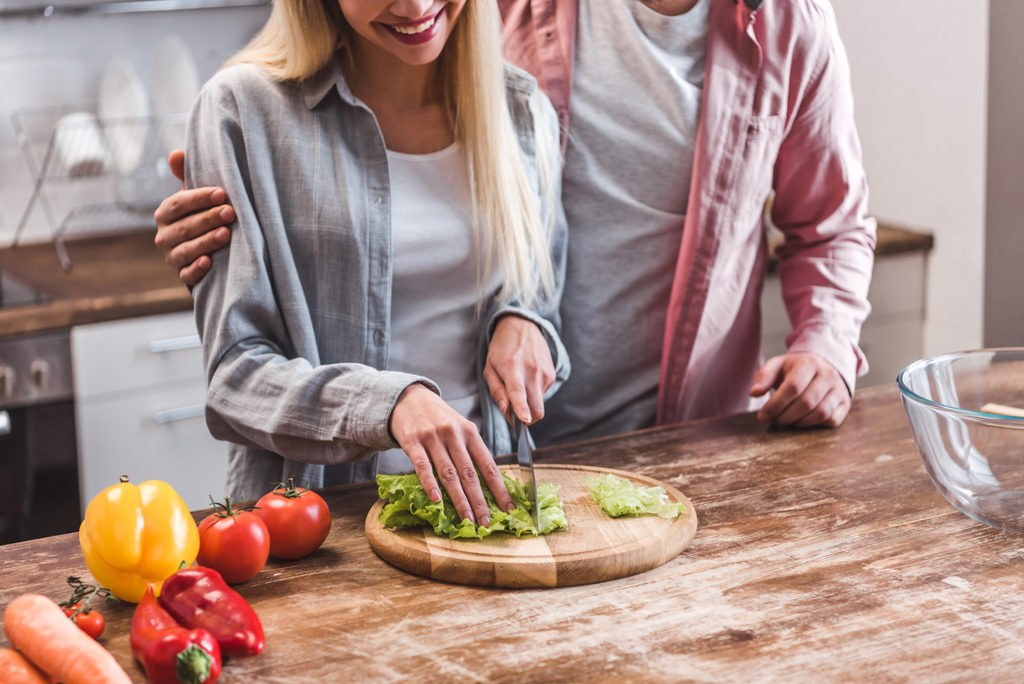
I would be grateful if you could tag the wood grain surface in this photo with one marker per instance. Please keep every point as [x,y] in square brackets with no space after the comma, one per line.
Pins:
[822,556]
[113,276]
[595,548]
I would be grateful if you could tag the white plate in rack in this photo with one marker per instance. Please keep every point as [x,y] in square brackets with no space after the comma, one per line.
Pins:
[175,85]
[124,113]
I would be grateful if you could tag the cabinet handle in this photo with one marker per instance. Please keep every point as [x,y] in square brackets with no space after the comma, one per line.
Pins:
[175,344]
[173,415]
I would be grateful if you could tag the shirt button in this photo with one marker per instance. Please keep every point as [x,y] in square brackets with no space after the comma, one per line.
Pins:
[379,201]
[378,337]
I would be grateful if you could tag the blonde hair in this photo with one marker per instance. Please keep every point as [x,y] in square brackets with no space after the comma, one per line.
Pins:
[300,38]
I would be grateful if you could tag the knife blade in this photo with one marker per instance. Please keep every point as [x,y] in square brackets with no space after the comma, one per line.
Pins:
[524,457]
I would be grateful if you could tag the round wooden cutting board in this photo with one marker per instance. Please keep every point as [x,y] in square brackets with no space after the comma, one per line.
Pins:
[595,548]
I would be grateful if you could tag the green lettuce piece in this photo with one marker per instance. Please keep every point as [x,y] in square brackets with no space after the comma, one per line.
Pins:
[409,506]
[618,497]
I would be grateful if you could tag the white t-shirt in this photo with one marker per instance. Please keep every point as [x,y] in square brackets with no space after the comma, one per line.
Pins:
[636,96]
[434,326]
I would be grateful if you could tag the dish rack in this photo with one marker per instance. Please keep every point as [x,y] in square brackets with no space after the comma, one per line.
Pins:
[98,197]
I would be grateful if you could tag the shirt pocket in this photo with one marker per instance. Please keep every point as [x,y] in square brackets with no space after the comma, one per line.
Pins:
[757,139]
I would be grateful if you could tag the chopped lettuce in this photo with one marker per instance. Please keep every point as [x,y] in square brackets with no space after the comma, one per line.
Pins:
[409,506]
[618,497]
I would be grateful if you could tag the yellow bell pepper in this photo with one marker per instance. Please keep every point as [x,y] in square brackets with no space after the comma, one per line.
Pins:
[135,537]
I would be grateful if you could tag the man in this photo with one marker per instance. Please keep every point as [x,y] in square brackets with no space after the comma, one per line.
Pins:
[678,125]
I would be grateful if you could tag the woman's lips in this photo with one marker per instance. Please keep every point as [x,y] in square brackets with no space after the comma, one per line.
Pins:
[416,32]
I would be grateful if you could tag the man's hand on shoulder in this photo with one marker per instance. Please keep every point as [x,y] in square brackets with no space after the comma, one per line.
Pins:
[191,225]
[809,391]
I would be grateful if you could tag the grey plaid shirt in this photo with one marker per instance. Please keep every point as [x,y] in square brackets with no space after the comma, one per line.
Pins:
[295,314]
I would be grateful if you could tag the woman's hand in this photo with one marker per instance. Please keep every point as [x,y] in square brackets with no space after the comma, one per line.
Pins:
[809,391]
[519,369]
[191,225]
[432,433]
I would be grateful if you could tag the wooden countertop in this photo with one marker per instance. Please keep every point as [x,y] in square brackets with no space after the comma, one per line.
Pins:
[891,240]
[124,275]
[116,275]
[822,555]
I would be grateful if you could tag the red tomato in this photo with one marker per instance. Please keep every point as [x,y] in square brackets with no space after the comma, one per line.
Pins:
[298,520]
[233,542]
[91,622]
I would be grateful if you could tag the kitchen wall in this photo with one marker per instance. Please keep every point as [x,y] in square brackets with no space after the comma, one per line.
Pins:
[1004,244]
[58,60]
[920,80]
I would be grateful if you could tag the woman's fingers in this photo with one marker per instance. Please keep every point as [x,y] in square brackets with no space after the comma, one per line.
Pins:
[515,386]
[429,455]
[450,474]
[467,480]
[497,389]
[536,385]
[519,368]
[421,463]
[490,472]
[438,439]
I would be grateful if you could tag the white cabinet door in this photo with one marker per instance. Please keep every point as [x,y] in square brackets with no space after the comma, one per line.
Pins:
[139,408]
[155,435]
[135,353]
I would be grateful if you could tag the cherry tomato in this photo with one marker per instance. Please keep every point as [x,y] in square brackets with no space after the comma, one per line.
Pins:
[233,542]
[89,621]
[298,520]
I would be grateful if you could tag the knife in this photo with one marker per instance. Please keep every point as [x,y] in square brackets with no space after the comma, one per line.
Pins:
[524,457]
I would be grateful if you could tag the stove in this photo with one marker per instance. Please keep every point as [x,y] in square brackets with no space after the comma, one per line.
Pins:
[37,425]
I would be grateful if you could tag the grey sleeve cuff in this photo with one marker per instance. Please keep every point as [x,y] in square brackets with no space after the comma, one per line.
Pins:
[377,423]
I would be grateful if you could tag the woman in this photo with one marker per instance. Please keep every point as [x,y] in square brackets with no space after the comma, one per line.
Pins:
[399,236]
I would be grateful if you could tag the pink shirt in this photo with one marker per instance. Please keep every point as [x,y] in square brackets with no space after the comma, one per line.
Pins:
[777,113]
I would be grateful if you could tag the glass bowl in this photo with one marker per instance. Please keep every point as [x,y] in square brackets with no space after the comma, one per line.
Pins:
[961,411]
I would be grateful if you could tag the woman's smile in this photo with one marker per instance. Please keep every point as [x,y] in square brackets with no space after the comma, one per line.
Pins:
[412,31]
[415,32]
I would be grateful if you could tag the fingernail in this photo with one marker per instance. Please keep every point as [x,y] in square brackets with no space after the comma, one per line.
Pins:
[470,518]
[217,195]
[225,213]
[435,495]
[527,418]
[511,507]
[486,521]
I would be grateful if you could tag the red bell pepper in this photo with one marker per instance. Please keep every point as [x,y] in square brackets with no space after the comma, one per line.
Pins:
[199,597]
[170,653]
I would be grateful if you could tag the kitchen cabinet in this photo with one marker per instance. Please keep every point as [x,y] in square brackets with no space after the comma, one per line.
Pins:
[139,406]
[892,336]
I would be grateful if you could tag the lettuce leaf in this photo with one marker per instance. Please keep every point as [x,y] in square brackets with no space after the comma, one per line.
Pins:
[409,506]
[618,497]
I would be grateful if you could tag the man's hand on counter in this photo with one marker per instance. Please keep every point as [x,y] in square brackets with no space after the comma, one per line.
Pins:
[191,225]
[809,391]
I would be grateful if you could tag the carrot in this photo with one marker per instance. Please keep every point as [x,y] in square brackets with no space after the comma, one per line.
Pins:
[17,669]
[39,629]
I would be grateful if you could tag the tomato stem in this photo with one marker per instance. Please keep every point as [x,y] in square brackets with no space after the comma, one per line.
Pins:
[290,492]
[83,594]
[225,509]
